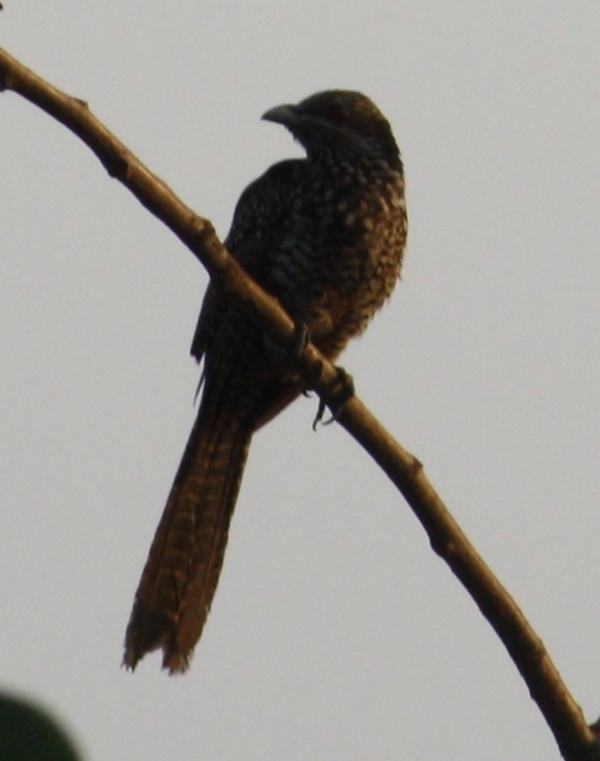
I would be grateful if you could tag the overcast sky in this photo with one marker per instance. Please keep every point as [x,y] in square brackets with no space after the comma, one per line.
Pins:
[336,633]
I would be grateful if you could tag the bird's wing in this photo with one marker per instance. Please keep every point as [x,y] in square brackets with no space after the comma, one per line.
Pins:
[255,231]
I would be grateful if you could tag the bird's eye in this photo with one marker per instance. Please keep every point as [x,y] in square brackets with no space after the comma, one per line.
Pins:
[336,115]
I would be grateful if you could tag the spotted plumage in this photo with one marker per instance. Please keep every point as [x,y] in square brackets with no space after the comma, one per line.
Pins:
[324,234]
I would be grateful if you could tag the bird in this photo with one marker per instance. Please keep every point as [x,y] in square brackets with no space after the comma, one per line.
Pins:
[325,234]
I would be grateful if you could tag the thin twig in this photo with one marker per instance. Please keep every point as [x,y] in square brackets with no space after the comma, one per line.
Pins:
[564,717]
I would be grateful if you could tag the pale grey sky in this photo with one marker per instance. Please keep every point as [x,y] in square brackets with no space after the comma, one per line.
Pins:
[336,633]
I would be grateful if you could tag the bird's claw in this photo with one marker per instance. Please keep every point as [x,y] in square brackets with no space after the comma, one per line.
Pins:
[341,393]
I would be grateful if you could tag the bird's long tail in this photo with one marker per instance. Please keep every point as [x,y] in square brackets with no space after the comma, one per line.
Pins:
[185,560]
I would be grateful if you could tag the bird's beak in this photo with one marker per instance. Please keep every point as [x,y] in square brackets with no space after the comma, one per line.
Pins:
[285,115]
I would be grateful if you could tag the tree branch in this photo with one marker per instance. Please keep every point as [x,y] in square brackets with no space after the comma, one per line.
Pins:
[564,717]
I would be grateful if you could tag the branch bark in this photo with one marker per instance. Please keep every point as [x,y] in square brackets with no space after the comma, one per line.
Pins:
[577,741]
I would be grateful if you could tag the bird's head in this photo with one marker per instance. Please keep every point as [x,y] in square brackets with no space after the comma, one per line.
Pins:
[338,121]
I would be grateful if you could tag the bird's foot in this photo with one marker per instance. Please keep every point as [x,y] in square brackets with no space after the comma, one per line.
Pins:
[342,391]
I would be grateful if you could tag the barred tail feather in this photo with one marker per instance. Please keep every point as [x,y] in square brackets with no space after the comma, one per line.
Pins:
[185,560]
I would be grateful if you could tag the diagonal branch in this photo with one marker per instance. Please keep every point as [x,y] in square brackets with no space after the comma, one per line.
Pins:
[564,717]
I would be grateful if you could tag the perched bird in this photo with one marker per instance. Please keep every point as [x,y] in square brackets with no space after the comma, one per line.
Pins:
[325,235]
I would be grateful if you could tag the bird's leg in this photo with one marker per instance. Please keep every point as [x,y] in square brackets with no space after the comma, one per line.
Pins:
[342,391]
[300,338]
[292,350]
[342,388]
